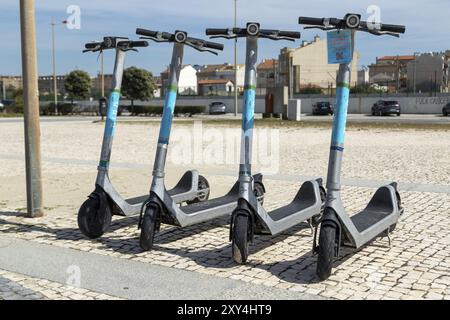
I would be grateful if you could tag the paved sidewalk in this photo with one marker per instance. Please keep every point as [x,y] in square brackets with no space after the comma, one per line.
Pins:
[417,265]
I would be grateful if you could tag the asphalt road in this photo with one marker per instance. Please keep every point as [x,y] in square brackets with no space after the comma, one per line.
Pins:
[418,119]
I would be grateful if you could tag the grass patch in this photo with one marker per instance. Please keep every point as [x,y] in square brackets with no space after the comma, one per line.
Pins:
[11,115]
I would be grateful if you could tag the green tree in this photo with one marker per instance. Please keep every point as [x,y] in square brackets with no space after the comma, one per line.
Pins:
[78,85]
[137,84]
[17,106]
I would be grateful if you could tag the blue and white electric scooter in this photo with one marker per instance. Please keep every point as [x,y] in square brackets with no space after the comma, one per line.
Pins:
[383,211]
[161,207]
[250,217]
[94,216]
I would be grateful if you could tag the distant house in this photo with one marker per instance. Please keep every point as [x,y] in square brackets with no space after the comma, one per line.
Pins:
[187,84]
[222,72]
[215,87]
[390,71]
[45,85]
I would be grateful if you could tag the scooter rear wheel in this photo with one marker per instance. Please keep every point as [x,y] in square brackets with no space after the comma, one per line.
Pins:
[326,251]
[92,221]
[240,239]
[148,229]
[259,192]
[202,185]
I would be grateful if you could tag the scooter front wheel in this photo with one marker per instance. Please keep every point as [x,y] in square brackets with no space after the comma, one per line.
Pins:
[326,251]
[240,241]
[259,192]
[93,221]
[148,229]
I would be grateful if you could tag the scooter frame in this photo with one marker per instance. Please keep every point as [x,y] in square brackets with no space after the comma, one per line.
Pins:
[160,202]
[110,200]
[308,201]
[384,209]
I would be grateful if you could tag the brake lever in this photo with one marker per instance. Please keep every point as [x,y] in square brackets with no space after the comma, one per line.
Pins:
[277,38]
[224,37]
[154,39]
[320,28]
[201,49]
[381,33]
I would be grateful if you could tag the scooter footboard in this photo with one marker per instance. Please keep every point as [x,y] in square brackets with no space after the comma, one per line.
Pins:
[187,188]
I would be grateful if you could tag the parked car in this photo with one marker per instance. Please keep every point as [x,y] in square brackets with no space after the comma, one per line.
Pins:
[217,108]
[2,107]
[446,110]
[322,108]
[383,108]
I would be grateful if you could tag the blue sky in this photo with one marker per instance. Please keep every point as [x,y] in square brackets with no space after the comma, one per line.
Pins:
[427,28]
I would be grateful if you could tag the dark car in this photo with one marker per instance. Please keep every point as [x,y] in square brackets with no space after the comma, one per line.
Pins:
[217,108]
[383,108]
[322,109]
[446,110]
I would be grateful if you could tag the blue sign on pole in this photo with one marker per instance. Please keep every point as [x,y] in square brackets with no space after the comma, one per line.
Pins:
[339,46]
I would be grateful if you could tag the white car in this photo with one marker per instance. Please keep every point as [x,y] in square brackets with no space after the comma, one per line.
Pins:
[2,107]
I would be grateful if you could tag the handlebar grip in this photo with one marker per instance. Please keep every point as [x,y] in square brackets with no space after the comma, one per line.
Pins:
[214,45]
[393,28]
[146,33]
[216,32]
[311,21]
[290,34]
[136,44]
[92,45]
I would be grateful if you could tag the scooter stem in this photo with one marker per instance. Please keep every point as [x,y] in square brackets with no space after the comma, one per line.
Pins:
[248,114]
[111,117]
[169,108]
[339,125]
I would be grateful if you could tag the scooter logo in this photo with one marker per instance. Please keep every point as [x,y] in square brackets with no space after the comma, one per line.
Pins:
[73,21]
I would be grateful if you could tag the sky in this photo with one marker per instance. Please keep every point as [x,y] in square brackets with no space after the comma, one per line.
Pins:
[427,25]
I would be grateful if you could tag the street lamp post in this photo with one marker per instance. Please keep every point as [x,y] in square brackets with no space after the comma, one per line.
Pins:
[55,90]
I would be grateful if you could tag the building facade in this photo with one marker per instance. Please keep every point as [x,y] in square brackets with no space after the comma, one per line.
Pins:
[310,66]
[45,85]
[429,72]
[267,72]
[391,71]
[187,83]
[97,83]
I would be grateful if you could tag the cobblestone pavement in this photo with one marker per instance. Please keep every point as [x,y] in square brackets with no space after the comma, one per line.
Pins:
[15,286]
[416,266]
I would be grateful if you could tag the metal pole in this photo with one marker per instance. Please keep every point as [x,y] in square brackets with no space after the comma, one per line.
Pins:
[415,72]
[55,90]
[236,87]
[103,74]
[31,110]
[291,77]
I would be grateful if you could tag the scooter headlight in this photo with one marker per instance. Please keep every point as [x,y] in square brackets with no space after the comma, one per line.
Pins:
[180,36]
[352,20]
[253,29]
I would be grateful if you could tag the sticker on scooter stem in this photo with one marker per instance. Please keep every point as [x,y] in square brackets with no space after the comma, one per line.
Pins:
[111,117]
[339,46]
[169,108]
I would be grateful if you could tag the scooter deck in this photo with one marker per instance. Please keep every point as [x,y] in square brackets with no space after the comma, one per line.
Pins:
[137,200]
[229,199]
[299,204]
[367,218]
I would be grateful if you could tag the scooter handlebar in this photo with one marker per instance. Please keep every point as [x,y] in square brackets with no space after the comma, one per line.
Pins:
[290,34]
[138,44]
[216,32]
[154,34]
[393,28]
[311,21]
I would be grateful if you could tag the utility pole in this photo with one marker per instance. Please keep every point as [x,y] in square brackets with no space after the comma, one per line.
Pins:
[102,74]
[55,88]
[236,87]
[31,110]
[291,77]
[415,70]
[398,75]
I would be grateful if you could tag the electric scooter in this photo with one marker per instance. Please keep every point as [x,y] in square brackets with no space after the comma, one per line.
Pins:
[94,216]
[250,217]
[160,206]
[382,213]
